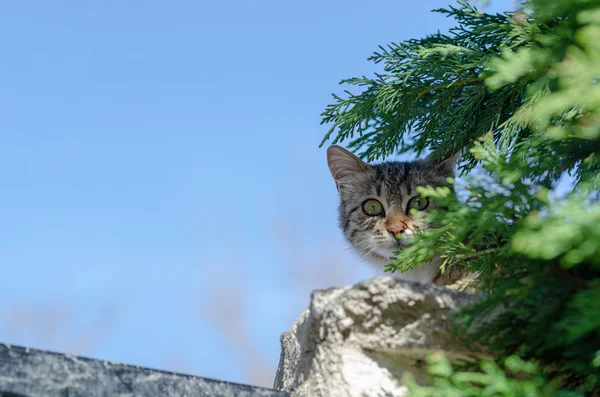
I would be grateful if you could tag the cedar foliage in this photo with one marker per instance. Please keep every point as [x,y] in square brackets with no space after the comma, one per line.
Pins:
[517,96]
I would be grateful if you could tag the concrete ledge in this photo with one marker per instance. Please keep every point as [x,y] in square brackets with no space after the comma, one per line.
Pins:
[360,340]
[28,372]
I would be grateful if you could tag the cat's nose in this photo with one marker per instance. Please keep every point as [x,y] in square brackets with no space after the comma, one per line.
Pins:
[396,231]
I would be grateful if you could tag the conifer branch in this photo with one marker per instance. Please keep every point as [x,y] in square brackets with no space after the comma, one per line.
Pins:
[451,84]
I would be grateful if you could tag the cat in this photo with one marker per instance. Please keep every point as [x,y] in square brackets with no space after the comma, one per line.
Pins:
[374,205]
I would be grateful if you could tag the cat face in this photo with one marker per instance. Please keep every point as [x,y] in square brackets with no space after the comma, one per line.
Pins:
[375,200]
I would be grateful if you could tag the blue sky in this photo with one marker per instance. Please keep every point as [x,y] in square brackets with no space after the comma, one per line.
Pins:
[164,201]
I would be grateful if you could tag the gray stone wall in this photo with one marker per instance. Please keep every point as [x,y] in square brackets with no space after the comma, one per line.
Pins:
[34,373]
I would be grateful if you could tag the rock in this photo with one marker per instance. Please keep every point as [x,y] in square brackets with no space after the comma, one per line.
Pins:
[360,340]
[35,373]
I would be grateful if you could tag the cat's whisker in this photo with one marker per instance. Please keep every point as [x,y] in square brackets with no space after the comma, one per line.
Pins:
[365,255]
[364,240]
[361,249]
[372,248]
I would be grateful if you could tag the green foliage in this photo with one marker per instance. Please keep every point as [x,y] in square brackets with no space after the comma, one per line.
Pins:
[517,95]
[524,380]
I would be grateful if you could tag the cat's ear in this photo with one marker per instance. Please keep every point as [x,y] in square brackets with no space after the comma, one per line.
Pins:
[444,165]
[343,163]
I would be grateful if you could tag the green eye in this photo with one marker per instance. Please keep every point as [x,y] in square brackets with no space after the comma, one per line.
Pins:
[373,207]
[417,203]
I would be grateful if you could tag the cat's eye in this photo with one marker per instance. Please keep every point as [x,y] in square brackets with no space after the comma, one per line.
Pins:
[417,203]
[373,207]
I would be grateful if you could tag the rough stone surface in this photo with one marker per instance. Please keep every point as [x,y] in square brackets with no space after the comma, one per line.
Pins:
[360,340]
[35,373]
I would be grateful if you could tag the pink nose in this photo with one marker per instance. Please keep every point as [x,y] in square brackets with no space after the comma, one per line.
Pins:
[396,230]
